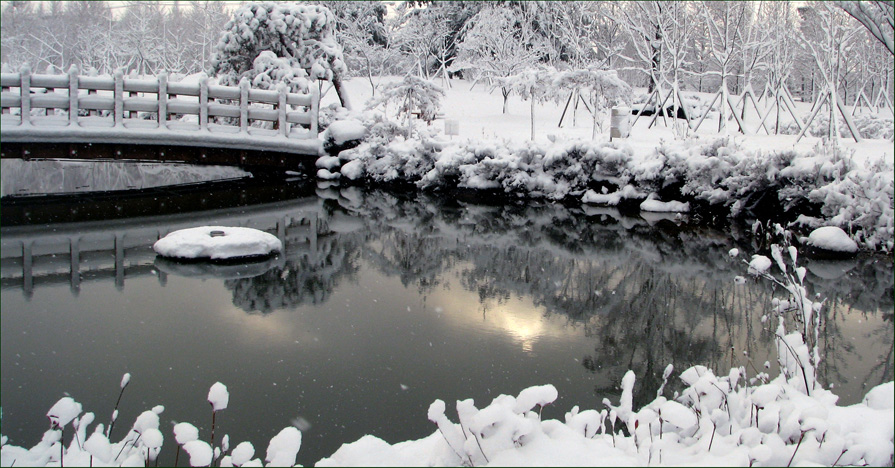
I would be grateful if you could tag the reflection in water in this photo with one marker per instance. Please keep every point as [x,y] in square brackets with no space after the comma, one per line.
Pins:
[646,295]
[19,177]
[382,303]
[301,281]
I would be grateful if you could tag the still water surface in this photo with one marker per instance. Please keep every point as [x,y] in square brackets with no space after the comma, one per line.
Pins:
[381,304]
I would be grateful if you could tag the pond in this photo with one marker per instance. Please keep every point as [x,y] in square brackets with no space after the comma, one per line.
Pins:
[383,302]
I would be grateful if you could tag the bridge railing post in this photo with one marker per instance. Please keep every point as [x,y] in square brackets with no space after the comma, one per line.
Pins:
[73,96]
[25,90]
[281,110]
[163,100]
[244,105]
[119,98]
[203,102]
[314,110]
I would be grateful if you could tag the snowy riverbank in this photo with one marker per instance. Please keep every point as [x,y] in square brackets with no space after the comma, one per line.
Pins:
[808,183]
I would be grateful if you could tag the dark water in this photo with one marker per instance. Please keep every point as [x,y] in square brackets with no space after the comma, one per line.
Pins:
[381,304]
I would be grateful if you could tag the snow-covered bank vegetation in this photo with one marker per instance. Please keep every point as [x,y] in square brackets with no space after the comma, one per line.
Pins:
[730,418]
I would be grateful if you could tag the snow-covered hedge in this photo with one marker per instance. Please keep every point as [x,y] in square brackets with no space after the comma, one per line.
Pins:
[717,173]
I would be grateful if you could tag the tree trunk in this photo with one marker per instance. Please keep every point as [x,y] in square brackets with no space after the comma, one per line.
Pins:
[340,91]
[532,118]
[506,95]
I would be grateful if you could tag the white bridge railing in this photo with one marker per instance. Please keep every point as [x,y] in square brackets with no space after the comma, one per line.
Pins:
[109,106]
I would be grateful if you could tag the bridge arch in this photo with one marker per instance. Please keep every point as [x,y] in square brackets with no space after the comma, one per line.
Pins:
[117,110]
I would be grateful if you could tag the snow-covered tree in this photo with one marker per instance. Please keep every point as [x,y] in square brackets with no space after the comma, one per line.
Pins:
[497,43]
[724,21]
[535,85]
[203,22]
[429,31]
[366,33]
[603,89]
[413,96]
[582,33]
[832,39]
[661,36]
[302,34]
[878,16]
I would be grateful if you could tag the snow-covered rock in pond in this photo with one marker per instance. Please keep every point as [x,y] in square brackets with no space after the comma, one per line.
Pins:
[353,170]
[342,135]
[327,175]
[833,239]
[217,243]
[611,199]
[328,162]
[342,131]
[664,207]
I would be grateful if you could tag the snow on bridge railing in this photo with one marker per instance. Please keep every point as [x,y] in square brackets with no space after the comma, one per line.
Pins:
[123,102]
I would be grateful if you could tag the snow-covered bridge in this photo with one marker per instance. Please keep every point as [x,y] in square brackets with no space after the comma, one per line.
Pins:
[73,108]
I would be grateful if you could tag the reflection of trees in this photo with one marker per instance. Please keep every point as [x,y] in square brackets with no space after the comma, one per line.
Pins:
[308,279]
[414,258]
[648,295]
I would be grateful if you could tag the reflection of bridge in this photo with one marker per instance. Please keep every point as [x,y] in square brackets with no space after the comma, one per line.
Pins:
[151,111]
[74,252]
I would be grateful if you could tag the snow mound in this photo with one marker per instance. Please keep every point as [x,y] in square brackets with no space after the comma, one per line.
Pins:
[832,238]
[217,243]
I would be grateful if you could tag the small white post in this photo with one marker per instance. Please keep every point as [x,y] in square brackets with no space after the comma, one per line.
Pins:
[244,105]
[314,110]
[25,90]
[163,100]
[73,96]
[203,102]
[281,110]
[119,98]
